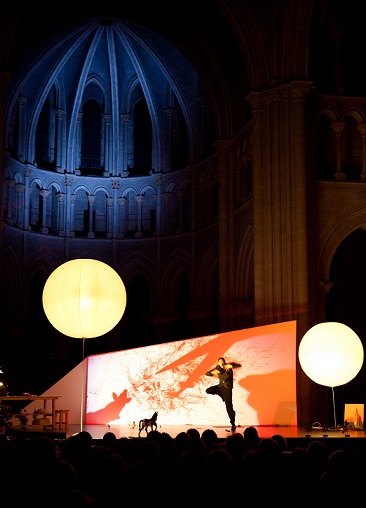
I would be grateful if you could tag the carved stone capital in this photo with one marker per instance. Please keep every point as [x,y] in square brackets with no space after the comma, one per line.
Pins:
[256,100]
[115,184]
[337,127]
[325,286]
[362,129]
[224,146]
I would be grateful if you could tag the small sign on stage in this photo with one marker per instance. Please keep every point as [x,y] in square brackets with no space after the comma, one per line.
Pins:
[354,415]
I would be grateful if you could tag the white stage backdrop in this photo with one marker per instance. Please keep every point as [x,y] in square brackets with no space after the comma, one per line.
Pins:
[127,386]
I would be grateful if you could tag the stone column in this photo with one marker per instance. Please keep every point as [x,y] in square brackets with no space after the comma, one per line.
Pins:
[122,205]
[337,128]
[201,127]
[91,200]
[9,186]
[299,210]
[60,214]
[281,215]
[44,194]
[193,198]
[224,150]
[180,193]
[22,101]
[168,139]
[72,214]
[114,227]
[362,129]
[126,117]
[78,144]
[165,213]
[140,199]
[59,117]
[258,102]
[4,82]
[159,182]
[51,152]
[107,147]
[109,217]
[68,216]
[280,205]
[27,174]
[19,205]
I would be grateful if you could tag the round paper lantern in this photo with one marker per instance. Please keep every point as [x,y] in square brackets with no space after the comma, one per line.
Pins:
[331,354]
[84,298]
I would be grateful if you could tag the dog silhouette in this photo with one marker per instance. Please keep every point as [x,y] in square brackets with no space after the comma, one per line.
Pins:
[110,412]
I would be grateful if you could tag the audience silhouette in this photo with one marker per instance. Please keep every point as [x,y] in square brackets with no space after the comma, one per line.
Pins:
[76,472]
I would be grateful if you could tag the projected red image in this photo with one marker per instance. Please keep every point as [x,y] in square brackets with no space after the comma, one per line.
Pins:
[127,386]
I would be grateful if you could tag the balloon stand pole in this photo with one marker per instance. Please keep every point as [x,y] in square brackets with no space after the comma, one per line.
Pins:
[334,410]
[82,399]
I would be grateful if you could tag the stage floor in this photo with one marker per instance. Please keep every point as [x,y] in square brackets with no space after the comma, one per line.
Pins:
[296,436]
[291,431]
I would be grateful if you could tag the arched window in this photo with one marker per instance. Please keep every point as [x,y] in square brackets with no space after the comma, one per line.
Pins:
[142,139]
[44,146]
[91,157]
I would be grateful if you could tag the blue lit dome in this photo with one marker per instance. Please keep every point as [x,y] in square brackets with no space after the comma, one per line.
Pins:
[97,125]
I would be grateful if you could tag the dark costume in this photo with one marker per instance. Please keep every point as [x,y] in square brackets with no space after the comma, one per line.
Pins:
[224,389]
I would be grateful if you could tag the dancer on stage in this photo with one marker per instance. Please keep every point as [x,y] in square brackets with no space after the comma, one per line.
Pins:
[224,372]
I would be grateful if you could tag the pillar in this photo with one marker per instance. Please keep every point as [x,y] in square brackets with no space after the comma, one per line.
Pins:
[44,194]
[337,128]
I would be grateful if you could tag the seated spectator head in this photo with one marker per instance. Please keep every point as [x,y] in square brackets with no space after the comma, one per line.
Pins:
[109,439]
[192,432]
[236,446]
[251,435]
[209,437]
[282,442]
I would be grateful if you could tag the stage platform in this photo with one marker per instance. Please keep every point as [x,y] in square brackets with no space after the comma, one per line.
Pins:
[97,431]
[295,435]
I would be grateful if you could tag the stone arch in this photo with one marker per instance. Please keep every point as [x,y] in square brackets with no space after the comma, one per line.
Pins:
[354,113]
[149,210]
[347,295]
[336,232]
[175,265]
[345,301]
[136,262]
[11,278]
[100,210]
[206,289]
[137,322]
[81,209]
[35,206]
[131,212]
[43,261]
[52,218]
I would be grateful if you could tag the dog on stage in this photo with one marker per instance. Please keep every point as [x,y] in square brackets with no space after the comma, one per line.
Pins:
[148,422]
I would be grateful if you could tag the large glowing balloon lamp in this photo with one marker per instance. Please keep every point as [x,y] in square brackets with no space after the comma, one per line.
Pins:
[331,354]
[84,298]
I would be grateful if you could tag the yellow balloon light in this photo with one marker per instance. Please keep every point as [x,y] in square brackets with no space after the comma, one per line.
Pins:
[84,298]
[331,354]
